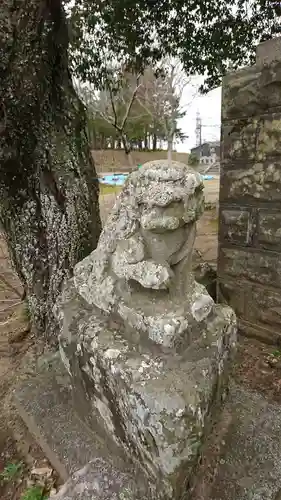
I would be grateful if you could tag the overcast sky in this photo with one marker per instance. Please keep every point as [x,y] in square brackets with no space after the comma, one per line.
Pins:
[209,107]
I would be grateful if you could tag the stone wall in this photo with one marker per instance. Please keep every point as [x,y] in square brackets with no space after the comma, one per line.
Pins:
[249,264]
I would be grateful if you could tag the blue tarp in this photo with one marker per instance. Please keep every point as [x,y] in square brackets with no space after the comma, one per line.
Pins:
[113,180]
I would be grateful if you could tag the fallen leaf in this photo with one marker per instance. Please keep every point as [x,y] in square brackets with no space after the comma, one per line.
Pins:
[42,471]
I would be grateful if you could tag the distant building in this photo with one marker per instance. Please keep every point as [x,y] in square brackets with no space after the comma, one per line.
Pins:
[208,152]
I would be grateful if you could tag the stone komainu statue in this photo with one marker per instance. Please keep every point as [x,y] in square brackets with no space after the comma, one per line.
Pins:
[141,269]
[145,345]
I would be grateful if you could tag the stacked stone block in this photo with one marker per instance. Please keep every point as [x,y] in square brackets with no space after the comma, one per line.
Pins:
[249,265]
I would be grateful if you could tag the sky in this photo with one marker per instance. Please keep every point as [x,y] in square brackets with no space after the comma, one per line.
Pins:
[209,107]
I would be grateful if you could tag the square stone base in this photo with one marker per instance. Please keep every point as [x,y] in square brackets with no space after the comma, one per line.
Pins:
[154,403]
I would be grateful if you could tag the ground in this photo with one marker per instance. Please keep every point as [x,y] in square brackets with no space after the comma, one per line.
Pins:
[23,467]
[109,160]
[258,367]
[24,471]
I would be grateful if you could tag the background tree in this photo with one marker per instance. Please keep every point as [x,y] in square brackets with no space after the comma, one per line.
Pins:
[136,111]
[101,133]
[162,100]
[208,36]
[193,160]
[114,105]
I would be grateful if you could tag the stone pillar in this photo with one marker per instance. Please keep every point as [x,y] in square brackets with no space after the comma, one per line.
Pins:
[249,263]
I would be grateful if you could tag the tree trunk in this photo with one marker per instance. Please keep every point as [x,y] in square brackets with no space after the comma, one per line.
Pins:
[48,192]
[103,141]
[154,142]
[127,148]
[170,150]
[146,141]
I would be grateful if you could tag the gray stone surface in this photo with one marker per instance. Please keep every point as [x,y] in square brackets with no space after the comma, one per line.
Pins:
[141,270]
[249,466]
[154,403]
[45,404]
[147,349]
[248,434]
[250,193]
[99,480]
[204,273]
[268,51]
[146,248]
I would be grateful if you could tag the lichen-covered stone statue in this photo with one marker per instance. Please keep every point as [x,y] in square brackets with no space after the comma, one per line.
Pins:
[146,346]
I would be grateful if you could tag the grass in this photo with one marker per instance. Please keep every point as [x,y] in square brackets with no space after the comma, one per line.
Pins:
[34,493]
[107,189]
[11,472]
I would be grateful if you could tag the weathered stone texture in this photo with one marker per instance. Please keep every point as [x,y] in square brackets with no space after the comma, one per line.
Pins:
[147,349]
[254,303]
[269,228]
[264,306]
[141,270]
[268,52]
[233,293]
[249,90]
[251,182]
[257,267]
[250,191]
[99,480]
[237,226]
[155,404]
[252,139]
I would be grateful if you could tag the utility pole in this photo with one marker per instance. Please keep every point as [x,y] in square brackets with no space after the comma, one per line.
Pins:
[198,133]
[198,129]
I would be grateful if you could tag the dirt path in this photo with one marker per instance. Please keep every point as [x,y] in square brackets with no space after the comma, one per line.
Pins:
[23,468]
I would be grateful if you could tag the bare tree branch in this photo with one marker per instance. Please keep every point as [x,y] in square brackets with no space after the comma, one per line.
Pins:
[163,100]
[111,101]
[109,89]
[138,86]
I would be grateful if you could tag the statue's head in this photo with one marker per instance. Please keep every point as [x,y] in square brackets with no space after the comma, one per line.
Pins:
[150,230]
[158,201]
[170,200]
[169,196]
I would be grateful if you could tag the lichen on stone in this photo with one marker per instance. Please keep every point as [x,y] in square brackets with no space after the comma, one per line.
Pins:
[154,348]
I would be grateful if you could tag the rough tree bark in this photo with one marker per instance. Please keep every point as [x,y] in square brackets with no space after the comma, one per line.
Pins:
[146,146]
[128,152]
[48,192]
[170,150]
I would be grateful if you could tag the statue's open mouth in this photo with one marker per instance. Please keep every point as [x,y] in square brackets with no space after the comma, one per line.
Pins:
[160,224]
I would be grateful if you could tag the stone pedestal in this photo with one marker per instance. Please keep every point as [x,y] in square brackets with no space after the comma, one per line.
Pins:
[249,263]
[147,349]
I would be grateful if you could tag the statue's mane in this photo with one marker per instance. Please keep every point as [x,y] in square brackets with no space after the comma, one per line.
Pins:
[155,184]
